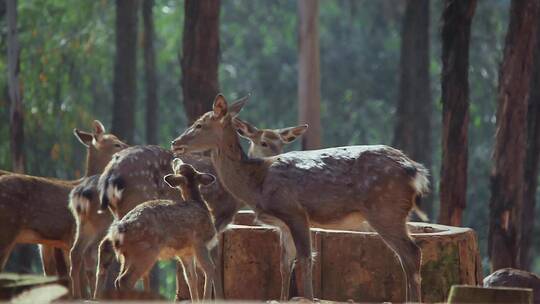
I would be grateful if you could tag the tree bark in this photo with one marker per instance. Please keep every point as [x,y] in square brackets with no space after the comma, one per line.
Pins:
[412,132]
[200,57]
[16,117]
[531,163]
[125,69]
[456,33]
[152,102]
[507,177]
[309,78]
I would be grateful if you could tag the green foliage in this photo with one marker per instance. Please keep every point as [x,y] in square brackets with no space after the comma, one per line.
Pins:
[67,64]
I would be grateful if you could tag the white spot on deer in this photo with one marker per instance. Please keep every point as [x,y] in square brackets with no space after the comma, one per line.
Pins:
[213,242]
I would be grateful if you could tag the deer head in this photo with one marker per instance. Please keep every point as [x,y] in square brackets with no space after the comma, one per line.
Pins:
[188,180]
[208,131]
[100,147]
[267,142]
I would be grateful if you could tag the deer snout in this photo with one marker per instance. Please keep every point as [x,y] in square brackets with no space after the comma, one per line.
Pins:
[177,147]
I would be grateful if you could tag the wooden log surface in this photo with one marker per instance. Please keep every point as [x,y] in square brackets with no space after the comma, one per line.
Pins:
[349,265]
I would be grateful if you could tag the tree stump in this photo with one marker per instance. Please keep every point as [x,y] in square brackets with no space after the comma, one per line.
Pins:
[476,294]
[350,265]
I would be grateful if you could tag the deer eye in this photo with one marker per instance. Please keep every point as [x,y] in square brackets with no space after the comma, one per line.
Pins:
[117,145]
[264,144]
[198,126]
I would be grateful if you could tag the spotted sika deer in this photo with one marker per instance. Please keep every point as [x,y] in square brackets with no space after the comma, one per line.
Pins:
[294,190]
[136,175]
[91,227]
[35,209]
[165,229]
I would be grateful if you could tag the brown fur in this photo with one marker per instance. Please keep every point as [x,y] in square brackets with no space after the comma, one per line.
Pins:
[140,170]
[163,229]
[34,209]
[292,190]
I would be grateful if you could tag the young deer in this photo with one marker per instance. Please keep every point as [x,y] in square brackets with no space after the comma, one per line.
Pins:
[91,227]
[297,189]
[164,229]
[34,209]
[136,176]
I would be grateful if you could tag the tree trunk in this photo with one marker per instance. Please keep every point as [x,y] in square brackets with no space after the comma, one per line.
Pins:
[456,33]
[507,177]
[152,102]
[531,163]
[414,110]
[200,56]
[125,69]
[16,116]
[309,77]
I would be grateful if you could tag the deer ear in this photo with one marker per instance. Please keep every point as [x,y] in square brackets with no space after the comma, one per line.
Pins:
[84,137]
[244,129]
[174,180]
[98,127]
[288,135]
[99,130]
[205,179]
[237,106]
[176,164]
[220,106]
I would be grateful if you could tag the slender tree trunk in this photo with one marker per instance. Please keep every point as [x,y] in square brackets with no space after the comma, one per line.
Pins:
[125,69]
[507,177]
[200,57]
[309,76]
[23,254]
[456,33]
[16,116]
[152,102]
[531,163]
[414,109]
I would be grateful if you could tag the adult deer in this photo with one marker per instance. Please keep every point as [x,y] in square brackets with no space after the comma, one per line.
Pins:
[35,210]
[136,176]
[163,229]
[91,227]
[294,190]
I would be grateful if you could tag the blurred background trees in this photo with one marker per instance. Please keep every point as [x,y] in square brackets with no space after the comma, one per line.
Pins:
[380,83]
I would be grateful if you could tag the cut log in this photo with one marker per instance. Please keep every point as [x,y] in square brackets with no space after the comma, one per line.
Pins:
[475,294]
[351,265]
[251,257]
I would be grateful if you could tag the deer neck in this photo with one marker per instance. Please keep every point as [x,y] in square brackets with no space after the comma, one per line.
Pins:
[95,163]
[240,175]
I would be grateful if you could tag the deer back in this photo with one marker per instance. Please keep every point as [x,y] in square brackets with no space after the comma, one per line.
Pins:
[331,183]
[136,174]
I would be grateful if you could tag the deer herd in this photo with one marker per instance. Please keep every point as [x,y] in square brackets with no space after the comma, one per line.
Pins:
[142,204]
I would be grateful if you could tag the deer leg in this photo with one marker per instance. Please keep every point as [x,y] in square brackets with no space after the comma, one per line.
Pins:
[76,256]
[190,275]
[217,253]
[207,264]
[299,229]
[135,266]
[90,264]
[105,259]
[288,255]
[395,235]
[146,283]
[46,254]
[5,250]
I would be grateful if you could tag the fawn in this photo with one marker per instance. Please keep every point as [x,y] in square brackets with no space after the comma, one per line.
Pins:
[163,229]
[135,176]
[34,209]
[293,190]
